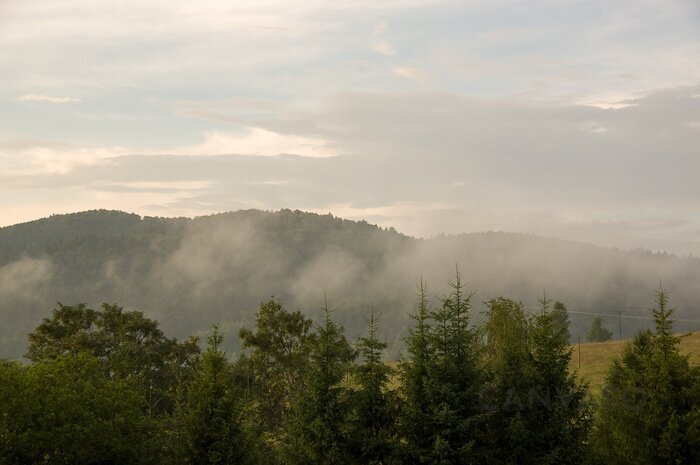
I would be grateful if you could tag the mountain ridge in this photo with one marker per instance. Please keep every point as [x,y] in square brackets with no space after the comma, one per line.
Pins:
[191,272]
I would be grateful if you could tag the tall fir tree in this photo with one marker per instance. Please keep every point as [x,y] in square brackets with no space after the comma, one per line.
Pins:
[561,318]
[213,424]
[415,410]
[559,409]
[650,410]
[452,430]
[373,421]
[318,421]
[598,333]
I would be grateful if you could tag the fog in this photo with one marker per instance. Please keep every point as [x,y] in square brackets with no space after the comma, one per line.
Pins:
[189,274]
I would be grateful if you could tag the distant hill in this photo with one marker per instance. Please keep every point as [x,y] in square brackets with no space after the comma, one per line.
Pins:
[189,273]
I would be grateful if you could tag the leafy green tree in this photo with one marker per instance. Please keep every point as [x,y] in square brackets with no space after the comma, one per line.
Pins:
[64,411]
[279,356]
[538,411]
[373,423]
[213,424]
[650,410]
[511,380]
[597,333]
[129,346]
[317,426]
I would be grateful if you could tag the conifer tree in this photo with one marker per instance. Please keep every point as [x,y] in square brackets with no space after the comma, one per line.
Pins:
[597,333]
[414,412]
[650,411]
[452,427]
[558,407]
[561,318]
[538,412]
[373,429]
[213,428]
[317,425]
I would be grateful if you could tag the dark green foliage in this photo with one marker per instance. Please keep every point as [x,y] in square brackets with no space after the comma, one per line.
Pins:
[372,424]
[511,380]
[64,411]
[128,345]
[190,272]
[561,409]
[597,333]
[650,412]
[106,387]
[278,360]
[317,429]
[538,412]
[561,319]
[415,409]
[213,429]
[451,419]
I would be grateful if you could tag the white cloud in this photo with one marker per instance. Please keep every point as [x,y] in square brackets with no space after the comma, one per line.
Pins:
[47,99]
[414,74]
[259,142]
[385,48]
[41,157]
[380,44]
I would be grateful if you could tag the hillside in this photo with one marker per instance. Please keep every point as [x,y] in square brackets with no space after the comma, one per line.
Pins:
[596,358]
[188,273]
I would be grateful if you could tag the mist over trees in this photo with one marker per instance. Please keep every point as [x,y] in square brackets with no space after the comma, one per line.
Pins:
[499,392]
[188,273]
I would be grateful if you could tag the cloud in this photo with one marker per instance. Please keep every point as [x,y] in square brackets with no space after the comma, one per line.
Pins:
[260,142]
[384,48]
[36,157]
[414,74]
[47,99]
[423,162]
[379,44]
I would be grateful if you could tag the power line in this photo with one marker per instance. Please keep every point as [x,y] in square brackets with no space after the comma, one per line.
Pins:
[620,315]
[639,317]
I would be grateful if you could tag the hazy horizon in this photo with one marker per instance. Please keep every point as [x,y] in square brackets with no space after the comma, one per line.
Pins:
[573,120]
[432,236]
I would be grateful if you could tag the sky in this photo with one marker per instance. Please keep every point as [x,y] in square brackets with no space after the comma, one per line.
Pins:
[570,119]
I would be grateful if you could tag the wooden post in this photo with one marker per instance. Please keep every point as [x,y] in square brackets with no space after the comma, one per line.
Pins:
[579,352]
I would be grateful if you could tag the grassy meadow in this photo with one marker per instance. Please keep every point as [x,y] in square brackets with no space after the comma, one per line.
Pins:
[595,358]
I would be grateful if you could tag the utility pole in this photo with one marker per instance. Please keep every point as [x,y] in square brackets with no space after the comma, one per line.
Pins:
[579,352]
[619,318]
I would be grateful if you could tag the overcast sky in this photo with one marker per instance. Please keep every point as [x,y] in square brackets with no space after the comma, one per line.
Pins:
[572,119]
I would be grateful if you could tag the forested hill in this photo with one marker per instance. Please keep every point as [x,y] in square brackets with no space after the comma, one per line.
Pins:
[188,273]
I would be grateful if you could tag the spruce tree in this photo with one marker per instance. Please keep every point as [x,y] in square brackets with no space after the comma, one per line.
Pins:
[415,410]
[650,410]
[597,333]
[538,412]
[212,417]
[373,426]
[561,318]
[559,410]
[452,430]
[317,424]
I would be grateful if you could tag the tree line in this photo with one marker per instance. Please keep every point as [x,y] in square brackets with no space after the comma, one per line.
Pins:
[107,386]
